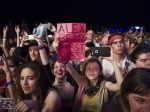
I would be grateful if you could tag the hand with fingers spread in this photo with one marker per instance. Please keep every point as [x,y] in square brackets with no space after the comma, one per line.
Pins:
[5,31]
[26,105]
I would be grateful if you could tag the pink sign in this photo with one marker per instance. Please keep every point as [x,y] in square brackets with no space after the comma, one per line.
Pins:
[72,37]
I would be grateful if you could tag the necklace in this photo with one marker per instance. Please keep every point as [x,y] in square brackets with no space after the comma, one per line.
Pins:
[92,90]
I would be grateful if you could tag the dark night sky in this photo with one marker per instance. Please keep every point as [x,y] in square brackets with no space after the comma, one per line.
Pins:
[92,12]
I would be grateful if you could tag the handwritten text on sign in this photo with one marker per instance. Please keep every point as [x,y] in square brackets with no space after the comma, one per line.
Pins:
[72,37]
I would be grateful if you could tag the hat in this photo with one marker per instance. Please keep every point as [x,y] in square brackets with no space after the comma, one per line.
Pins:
[33,42]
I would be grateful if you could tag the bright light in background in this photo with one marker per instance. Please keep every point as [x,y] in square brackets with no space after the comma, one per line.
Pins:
[137,27]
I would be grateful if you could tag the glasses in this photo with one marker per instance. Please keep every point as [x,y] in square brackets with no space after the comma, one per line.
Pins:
[92,69]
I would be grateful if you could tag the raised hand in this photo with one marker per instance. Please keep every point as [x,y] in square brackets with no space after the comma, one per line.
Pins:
[111,58]
[5,31]
[52,28]
[4,63]
[17,29]
[55,43]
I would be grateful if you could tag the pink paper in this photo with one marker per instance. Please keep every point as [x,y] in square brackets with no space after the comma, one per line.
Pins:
[72,37]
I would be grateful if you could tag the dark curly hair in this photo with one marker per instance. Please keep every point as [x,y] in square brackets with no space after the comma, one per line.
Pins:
[44,82]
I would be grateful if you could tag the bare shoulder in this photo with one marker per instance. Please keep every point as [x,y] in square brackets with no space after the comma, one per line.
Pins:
[52,94]
[51,101]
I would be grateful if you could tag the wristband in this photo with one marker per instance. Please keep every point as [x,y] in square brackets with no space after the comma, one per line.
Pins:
[4,38]
[40,47]
[9,83]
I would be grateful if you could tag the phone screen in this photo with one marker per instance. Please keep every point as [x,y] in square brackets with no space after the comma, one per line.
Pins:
[100,51]
[30,37]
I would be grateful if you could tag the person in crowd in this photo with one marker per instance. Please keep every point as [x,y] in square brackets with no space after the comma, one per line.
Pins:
[64,84]
[11,43]
[13,63]
[11,51]
[100,36]
[90,36]
[140,57]
[92,86]
[104,41]
[140,39]
[34,90]
[79,67]
[132,46]
[133,95]
[117,42]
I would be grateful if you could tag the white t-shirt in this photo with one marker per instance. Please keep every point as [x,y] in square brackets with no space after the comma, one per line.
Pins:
[108,69]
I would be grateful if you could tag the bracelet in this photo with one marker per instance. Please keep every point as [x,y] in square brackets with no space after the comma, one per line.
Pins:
[9,83]
[4,38]
[40,47]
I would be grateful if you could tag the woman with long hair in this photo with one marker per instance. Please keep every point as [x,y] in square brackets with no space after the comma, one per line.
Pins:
[34,90]
[135,91]
[93,89]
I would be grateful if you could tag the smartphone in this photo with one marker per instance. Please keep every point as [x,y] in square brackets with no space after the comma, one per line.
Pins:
[29,37]
[7,103]
[100,51]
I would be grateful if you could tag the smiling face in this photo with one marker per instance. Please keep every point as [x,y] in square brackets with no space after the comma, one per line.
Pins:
[59,70]
[28,81]
[139,103]
[92,71]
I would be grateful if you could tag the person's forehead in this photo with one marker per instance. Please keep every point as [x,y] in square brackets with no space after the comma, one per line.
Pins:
[33,46]
[144,55]
[118,39]
[90,31]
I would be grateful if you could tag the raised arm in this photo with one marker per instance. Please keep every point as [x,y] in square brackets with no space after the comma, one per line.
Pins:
[17,30]
[24,34]
[10,83]
[78,78]
[42,51]
[119,78]
[5,50]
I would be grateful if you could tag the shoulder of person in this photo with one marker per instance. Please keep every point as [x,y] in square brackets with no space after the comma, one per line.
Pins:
[52,93]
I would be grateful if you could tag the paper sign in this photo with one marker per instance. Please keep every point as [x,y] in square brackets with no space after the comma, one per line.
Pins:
[72,37]
[7,103]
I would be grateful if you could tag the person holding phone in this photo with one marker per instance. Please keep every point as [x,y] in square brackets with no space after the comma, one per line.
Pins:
[117,42]
[92,86]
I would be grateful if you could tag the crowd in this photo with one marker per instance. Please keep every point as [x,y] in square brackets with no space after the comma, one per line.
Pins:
[31,74]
